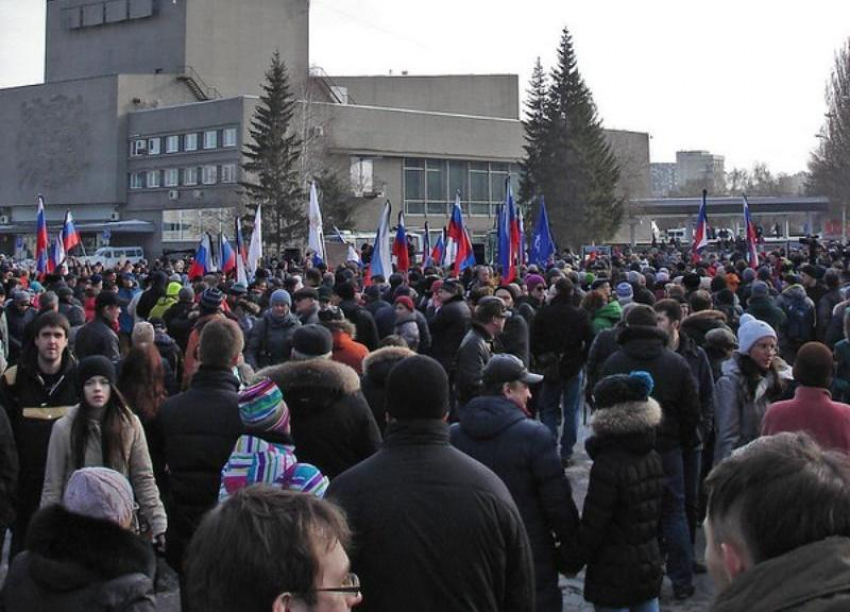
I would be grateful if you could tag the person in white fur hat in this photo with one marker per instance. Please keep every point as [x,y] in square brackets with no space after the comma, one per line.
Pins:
[751,380]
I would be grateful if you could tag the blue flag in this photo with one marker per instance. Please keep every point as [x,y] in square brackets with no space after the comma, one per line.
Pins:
[542,245]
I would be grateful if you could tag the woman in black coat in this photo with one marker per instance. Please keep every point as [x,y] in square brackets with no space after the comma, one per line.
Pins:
[376,370]
[618,536]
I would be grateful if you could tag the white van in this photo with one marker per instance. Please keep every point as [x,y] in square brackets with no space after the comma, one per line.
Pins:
[115,256]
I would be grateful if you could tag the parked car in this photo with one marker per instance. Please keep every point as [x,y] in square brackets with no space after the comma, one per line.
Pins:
[117,255]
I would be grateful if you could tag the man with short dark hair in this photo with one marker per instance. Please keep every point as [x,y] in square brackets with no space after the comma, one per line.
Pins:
[199,428]
[560,340]
[229,568]
[98,337]
[488,322]
[812,409]
[436,530]
[36,393]
[777,528]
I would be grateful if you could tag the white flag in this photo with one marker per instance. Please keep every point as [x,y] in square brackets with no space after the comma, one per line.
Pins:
[255,249]
[316,237]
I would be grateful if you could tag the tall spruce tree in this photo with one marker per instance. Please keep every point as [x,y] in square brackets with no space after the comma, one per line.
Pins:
[568,159]
[338,205]
[272,162]
[535,130]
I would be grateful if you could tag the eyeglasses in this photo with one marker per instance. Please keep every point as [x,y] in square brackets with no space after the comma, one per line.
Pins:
[350,586]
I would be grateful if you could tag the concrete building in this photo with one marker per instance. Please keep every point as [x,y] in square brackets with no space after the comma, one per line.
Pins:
[147,104]
[699,167]
[663,177]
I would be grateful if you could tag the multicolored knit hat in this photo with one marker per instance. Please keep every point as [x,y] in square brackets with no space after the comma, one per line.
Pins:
[255,461]
[262,408]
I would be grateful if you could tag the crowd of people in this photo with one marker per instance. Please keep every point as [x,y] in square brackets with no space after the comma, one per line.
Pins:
[320,439]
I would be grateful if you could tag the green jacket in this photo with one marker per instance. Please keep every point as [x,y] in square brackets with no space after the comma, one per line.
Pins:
[607,316]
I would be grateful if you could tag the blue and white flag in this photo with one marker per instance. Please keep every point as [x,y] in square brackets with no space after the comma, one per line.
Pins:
[316,237]
[382,256]
[542,245]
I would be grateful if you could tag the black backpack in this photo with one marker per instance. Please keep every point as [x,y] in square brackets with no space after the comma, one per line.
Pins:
[801,321]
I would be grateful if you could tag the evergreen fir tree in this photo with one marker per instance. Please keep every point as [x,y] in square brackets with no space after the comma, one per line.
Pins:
[535,130]
[337,203]
[272,166]
[568,159]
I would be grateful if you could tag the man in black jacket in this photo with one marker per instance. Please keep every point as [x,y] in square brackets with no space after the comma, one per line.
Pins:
[8,475]
[200,427]
[367,331]
[644,348]
[435,530]
[449,323]
[494,429]
[560,338]
[36,393]
[98,337]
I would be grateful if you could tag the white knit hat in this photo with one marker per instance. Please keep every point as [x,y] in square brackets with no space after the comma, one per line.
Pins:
[750,331]
[100,493]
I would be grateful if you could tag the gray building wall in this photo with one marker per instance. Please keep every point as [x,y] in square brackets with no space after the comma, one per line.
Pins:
[494,95]
[138,45]
[230,43]
[631,149]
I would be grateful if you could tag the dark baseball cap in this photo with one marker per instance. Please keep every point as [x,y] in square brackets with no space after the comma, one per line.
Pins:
[507,368]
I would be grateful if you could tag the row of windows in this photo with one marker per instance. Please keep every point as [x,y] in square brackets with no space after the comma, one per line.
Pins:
[183,143]
[185,177]
[185,225]
[430,186]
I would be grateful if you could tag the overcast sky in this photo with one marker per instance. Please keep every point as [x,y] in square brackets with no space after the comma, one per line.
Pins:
[743,78]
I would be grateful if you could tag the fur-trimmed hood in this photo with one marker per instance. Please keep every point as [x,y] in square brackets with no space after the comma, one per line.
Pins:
[626,418]
[703,315]
[377,365]
[311,384]
[69,550]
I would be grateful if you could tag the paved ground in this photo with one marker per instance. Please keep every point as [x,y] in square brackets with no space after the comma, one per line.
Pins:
[169,600]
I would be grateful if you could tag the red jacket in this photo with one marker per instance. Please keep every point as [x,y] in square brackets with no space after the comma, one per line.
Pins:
[813,411]
[348,351]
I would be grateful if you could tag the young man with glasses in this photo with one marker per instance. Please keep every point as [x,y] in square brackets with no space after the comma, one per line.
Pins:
[269,550]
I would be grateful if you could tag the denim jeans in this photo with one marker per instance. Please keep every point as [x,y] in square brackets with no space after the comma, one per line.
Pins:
[692,477]
[647,606]
[560,401]
[674,524]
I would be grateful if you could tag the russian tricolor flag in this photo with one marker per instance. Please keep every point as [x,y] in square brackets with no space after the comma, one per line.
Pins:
[41,238]
[241,254]
[438,253]
[203,259]
[70,236]
[57,254]
[752,236]
[701,230]
[402,256]
[227,254]
[458,245]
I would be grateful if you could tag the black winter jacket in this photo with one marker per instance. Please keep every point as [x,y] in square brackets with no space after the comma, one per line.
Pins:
[522,452]
[561,328]
[270,340]
[8,472]
[199,427]
[32,408]
[618,537]
[434,529]
[332,425]
[645,348]
[473,355]
[704,381]
[376,370]
[448,328]
[97,338]
[514,339]
[75,563]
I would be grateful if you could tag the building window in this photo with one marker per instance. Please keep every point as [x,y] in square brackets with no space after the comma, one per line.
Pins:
[152,179]
[210,139]
[191,142]
[361,176]
[228,137]
[210,175]
[137,180]
[153,146]
[171,177]
[172,144]
[190,176]
[138,147]
[187,224]
[228,173]
[430,186]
